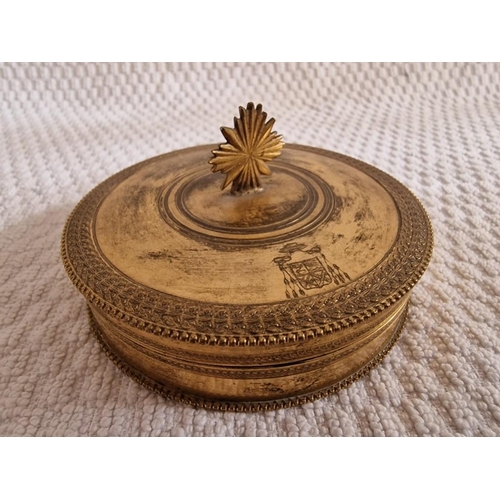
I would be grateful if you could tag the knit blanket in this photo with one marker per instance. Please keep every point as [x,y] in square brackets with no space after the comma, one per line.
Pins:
[435,127]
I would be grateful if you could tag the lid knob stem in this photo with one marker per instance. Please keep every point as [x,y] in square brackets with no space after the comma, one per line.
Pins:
[250,144]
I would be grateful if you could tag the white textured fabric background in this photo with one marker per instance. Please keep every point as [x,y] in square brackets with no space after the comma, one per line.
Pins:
[66,127]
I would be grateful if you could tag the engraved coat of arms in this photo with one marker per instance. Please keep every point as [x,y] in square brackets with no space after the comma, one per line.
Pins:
[306,268]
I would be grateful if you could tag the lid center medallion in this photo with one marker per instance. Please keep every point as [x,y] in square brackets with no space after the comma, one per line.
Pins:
[292,203]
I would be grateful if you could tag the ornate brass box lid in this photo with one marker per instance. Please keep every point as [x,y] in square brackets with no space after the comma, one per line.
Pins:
[280,290]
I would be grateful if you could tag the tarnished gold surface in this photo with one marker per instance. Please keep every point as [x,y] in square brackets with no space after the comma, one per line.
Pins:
[170,228]
[249,146]
[254,301]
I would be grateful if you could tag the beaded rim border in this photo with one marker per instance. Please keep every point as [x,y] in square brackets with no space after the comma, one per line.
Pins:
[272,405]
[314,323]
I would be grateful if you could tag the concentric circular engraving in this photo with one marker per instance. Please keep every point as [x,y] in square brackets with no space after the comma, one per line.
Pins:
[293,203]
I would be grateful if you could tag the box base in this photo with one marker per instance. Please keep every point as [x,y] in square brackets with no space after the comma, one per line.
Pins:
[262,402]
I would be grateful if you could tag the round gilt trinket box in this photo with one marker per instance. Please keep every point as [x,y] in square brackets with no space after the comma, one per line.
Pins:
[274,291]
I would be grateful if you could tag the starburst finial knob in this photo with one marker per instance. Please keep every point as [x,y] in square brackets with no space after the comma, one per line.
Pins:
[250,144]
